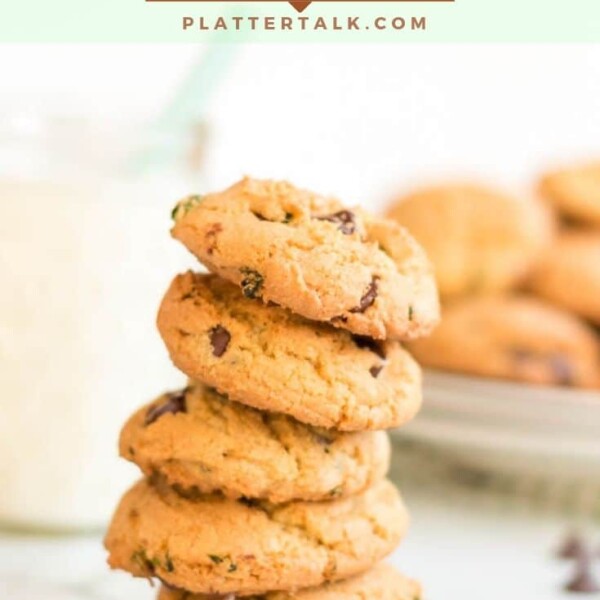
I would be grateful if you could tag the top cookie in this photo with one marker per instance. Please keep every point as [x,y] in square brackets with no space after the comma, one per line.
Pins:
[479,240]
[382,582]
[575,192]
[517,338]
[271,359]
[308,253]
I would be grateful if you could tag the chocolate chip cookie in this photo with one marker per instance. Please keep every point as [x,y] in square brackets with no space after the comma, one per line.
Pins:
[479,240]
[382,582]
[269,358]
[569,273]
[575,192]
[198,440]
[517,338]
[213,545]
[310,254]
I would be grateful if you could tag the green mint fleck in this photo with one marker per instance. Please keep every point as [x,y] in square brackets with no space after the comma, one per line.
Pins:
[288,217]
[252,282]
[232,568]
[383,249]
[169,566]
[140,558]
[336,491]
[411,313]
[184,206]
[216,558]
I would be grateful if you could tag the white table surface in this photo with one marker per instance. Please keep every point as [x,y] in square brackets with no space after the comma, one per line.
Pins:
[462,546]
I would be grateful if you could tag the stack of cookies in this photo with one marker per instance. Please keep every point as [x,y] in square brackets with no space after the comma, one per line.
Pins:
[266,476]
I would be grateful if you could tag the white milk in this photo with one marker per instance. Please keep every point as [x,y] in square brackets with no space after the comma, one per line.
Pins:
[82,271]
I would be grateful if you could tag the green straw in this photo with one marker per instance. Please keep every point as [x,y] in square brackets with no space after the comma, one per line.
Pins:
[188,106]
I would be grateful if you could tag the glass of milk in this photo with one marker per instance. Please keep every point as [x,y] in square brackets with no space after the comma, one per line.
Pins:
[85,256]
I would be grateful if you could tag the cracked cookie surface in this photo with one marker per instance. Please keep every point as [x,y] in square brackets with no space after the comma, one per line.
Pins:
[310,254]
[478,239]
[382,582]
[575,192]
[208,443]
[269,358]
[568,273]
[213,545]
[517,337]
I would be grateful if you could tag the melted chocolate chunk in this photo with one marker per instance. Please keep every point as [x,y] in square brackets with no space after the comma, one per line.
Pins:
[561,369]
[375,370]
[259,216]
[344,219]
[219,340]
[249,502]
[323,437]
[559,365]
[368,298]
[573,546]
[211,237]
[174,403]
[252,282]
[583,581]
[368,343]
[287,217]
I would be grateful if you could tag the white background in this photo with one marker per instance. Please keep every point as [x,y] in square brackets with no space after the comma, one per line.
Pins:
[360,121]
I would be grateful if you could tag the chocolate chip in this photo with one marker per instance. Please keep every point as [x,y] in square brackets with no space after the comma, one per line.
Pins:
[562,369]
[211,237]
[375,370]
[368,343]
[344,219]
[219,340]
[583,581]
[286,218]
[559,365]
[252,282]
[173,403]
[249,502]
[573,546]
[368,297]
[323,437]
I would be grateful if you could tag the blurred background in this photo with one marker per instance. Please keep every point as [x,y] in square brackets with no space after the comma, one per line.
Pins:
[97,142]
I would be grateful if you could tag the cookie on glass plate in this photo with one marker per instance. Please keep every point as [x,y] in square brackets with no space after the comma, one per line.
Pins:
[479,240]
[513,337]
[568,273]
[575,192]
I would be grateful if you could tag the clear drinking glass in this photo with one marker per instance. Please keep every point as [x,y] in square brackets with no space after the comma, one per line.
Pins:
[85,256]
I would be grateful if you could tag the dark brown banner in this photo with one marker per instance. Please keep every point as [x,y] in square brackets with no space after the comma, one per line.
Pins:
[300,5]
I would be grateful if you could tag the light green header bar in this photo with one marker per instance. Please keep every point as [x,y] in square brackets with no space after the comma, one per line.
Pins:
[355,21]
